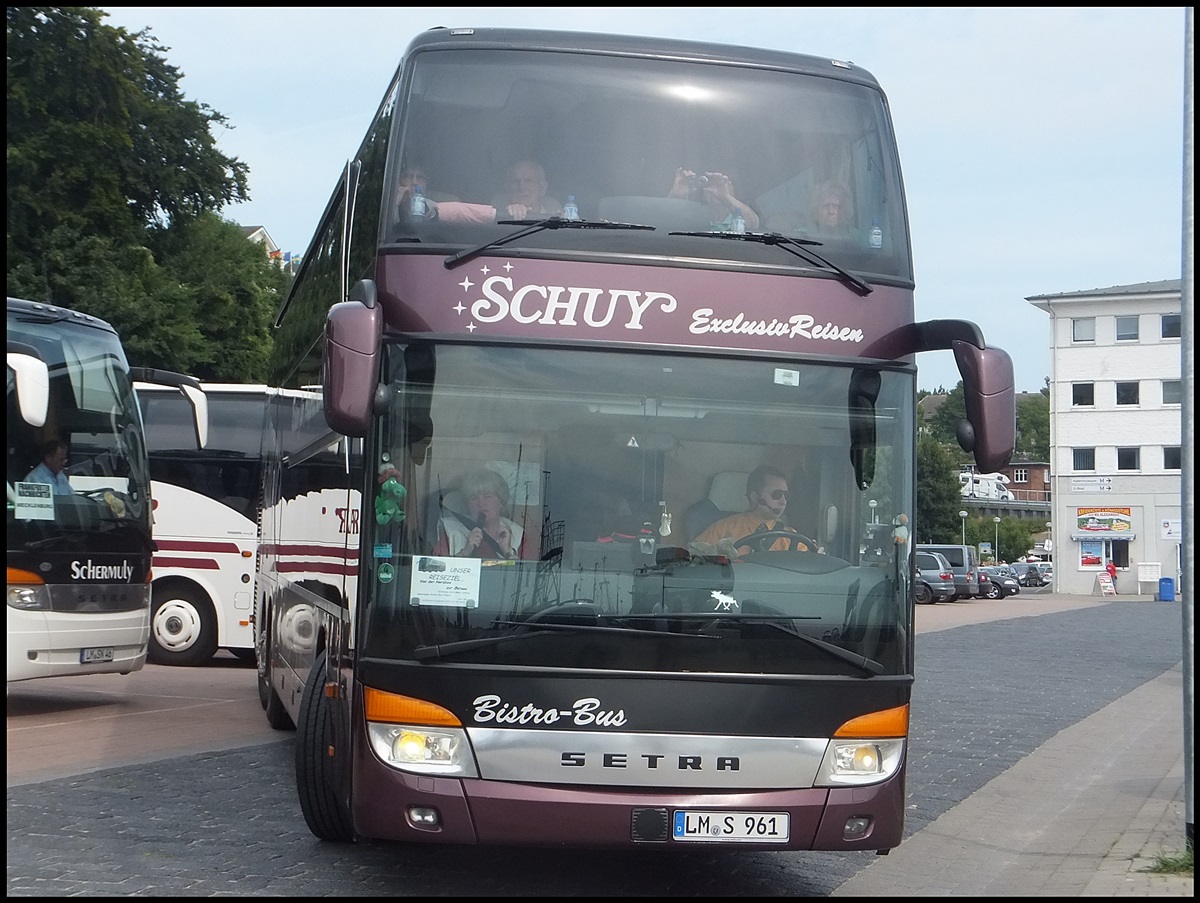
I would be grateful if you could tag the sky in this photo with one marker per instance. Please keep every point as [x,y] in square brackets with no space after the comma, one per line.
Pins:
[1041,149]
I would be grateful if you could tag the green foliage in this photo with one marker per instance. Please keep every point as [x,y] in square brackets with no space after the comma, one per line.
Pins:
[232,291]
[1174,863]
[114,181]
[938,498]
[1033,426]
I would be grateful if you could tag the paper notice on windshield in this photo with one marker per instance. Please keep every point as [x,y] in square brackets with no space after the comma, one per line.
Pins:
[33,501]
[450,582]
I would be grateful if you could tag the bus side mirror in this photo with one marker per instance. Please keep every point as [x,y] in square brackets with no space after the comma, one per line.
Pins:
[353,339]
[990,430]
[33,385]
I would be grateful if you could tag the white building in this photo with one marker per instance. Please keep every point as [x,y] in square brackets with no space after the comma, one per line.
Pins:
[1115,431]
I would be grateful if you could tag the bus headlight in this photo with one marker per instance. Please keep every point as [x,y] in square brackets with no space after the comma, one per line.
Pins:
[443,751]
[29,598]
[850,762]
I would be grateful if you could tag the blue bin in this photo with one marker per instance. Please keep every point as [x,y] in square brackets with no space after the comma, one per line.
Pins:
[1166,589]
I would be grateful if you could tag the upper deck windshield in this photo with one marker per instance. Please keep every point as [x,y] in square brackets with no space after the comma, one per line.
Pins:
[93,410]
[808,156]
[608,467]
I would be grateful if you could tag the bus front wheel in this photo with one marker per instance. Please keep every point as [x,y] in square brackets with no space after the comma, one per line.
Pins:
[183,626]
[322,754]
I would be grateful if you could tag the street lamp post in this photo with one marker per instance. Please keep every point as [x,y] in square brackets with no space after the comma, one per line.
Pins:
[996,547]
[963,515]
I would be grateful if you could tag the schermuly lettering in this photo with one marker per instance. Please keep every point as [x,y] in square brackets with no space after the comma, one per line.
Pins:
[85,570]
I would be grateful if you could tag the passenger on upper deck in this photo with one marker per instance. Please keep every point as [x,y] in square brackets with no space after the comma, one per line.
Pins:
[830,216]
[715,191]
[524,197]
[412,175]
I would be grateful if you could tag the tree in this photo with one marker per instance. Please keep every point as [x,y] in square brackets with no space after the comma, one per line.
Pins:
[1033,425]
[114,182]
[938,499]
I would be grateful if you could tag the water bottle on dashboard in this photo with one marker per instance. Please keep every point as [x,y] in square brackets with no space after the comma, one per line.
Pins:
[570,209]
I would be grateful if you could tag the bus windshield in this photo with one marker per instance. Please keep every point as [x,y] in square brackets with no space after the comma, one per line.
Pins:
[94,412]
[497,135]
[609,470]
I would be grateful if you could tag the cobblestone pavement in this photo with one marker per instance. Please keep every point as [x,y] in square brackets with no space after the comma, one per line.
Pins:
[1043,739]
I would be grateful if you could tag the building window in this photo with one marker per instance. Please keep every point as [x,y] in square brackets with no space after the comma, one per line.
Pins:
[1129,459]
[1083,458]
[1172,391]
[1170,326]
[1127,329]
[1020,475]
[1127,393]
[1171,457]
[1083,394]
[1083,329]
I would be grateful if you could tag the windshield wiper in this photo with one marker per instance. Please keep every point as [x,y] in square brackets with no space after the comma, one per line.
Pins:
[867,665]
[532,226]
[800,247]
[429,653]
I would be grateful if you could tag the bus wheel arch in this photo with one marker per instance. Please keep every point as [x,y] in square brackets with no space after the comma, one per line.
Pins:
[322,757]
[183,624]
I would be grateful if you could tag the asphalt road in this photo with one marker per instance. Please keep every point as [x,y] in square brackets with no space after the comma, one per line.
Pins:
[169,781]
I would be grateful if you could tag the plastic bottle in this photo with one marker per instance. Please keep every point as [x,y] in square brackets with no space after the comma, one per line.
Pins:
[876,234]
[417,201]
[738,225]
[570,209]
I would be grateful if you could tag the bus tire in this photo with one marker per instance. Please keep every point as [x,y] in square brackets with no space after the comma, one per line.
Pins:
[183,626]
[321,745]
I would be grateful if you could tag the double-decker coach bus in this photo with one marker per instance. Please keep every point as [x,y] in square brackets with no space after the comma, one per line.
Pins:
[636,271]
[205,504]
[78,525]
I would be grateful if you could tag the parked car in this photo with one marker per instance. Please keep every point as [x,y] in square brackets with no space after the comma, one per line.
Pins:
[1032,575]
[934,580]
[1047,569]
[999,584]
[964,561]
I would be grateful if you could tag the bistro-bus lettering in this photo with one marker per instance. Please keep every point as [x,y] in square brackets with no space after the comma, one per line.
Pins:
[88,571]
[561,305]
[582,712]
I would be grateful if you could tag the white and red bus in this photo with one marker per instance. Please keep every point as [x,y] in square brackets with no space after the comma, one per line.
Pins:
[205,503]
[616,682]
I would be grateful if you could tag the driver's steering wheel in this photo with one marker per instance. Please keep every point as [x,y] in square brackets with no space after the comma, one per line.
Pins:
[763,540]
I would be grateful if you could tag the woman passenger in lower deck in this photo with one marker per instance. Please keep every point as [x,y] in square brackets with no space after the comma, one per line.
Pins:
[486,531]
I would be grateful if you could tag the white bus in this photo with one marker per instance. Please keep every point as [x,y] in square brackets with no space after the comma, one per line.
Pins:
[205,504]
[79,550]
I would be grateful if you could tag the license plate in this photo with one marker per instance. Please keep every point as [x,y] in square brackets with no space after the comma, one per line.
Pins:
[730,827]
[96,654]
